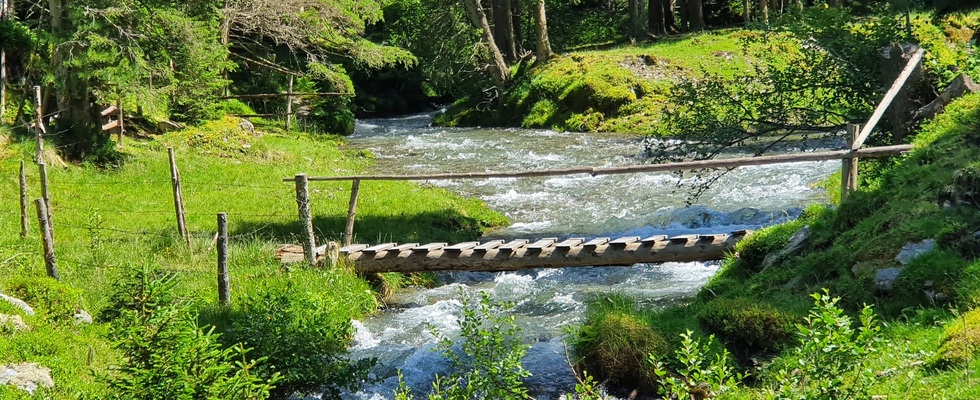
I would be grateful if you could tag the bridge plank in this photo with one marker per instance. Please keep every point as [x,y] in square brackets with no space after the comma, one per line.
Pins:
[682,239]
[652,239]
[462,246]
[624,241]
[352,248]
[541,244]
[429,247]
[596,242]
[403,247]
[493,244]
[569,243]
[379,248]
[514,245]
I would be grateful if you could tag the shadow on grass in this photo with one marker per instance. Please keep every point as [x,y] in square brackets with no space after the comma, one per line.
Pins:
[448,225]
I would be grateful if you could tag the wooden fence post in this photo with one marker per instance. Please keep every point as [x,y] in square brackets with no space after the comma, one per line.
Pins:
[178,197]
[24,220]
[849,166]
[289,105]
[351,212]
[305,217]
[45,195]
[224,287]
[39,151]
[122,126]
[46,240]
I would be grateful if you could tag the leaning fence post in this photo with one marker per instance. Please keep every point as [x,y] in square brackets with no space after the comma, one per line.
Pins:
[43,174]
[119,109]
[178,197]
[24,220]
[849,166]
[224,287]
[351,212]
[39,151]
[305,217]
[42,217]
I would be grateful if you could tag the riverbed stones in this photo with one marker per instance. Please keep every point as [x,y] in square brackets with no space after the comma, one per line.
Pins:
[912,251]
[26,376]
[21,304]
[12,323]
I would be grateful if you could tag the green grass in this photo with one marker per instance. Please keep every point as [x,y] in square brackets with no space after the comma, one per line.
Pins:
[107,220]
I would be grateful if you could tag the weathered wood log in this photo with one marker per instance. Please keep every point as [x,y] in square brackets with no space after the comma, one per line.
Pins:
[956,89]
[548,257]
[870,152]
[224,285]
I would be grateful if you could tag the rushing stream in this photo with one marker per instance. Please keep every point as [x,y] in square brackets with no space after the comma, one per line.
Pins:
[567,206]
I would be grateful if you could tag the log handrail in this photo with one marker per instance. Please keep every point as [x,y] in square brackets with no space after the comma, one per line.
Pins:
[889,97]
[871,152]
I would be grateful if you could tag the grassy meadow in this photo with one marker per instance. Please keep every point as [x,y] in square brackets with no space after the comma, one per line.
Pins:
[106,221]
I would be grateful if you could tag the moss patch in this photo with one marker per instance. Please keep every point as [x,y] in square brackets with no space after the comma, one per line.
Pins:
[961,345]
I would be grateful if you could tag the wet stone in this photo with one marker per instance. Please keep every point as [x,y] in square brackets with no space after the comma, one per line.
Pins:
[911,251]
[885,278]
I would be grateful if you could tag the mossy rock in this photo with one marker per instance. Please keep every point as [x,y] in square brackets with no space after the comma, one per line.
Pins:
[746,327]
[615,348]
[53,300]
[962,342]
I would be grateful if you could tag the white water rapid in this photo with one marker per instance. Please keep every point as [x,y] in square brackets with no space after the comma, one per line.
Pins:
[569,206]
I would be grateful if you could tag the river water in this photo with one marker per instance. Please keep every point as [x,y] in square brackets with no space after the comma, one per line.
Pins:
[548,301]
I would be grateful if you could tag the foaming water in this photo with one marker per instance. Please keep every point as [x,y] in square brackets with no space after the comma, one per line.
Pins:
[548,302]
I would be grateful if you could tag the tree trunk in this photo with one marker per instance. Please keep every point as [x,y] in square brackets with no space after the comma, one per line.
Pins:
[498,67]
[655,18]
[3,67]
[503,29]
[635,27]
[764,11]
[669,23]
[695,12]
[57,8]
[544,44]
[746,11]
[517,23]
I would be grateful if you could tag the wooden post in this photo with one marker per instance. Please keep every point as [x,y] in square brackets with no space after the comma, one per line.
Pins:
[24,220]
[224,287]
[289,105]
[42,217]
[39,152]
[119,109]
[849,166]
[351,212]
[178,197]
[305,217]
[43,175]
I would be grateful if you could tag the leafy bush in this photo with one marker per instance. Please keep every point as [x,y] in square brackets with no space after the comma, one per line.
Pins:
[745,326]
[487,361]
[51,299]
[167,356]
[830,359]
[697,376]
[303,332]
[961,345]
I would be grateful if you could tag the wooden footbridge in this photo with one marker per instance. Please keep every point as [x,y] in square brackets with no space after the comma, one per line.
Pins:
[500,255]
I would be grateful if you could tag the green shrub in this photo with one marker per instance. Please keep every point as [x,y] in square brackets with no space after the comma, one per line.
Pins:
[487,362]
[752,251]
[167,356]
[51,299]
[745,326]
[698,376]
[303,332]
[961,345]
[829,362]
